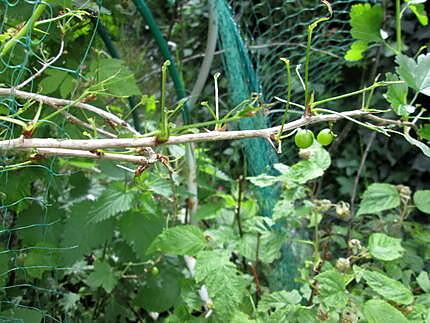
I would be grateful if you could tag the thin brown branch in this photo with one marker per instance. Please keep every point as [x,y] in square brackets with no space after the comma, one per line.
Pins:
[212,136]
[56,103]
[72,153]
[44,67]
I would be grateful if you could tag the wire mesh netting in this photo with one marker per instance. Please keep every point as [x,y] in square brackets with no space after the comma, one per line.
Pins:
[252,64]
[33,197]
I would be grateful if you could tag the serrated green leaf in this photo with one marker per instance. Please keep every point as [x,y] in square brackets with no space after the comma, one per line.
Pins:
[68,301]
[44,257]
[114,78]
[225,287]
[208,211]
[379,197]
[57,79]
[355,53]
[83,235]
[422,200]
[270,244]
[384,247]
[111,202]
[397,96]
[160,292]
[180,240]
[424,281]
[366,22]
[379,311]
[388,288]
[142,235]
[102,276]
[278,300]
[415,73]
[331,289]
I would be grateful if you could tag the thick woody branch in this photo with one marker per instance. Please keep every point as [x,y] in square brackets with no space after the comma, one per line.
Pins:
[56,103]
[212,136]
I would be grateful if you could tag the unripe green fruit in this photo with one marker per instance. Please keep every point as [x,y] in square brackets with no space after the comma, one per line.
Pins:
[155,271]
[304,138]
[325,137]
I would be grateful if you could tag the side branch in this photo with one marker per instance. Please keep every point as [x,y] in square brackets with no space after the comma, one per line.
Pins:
[56,103]
[212,136]
[49,152]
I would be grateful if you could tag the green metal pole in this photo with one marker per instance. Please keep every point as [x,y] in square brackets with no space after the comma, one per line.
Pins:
[162,43]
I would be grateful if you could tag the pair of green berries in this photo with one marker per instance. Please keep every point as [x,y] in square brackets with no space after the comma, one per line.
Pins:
[305,138]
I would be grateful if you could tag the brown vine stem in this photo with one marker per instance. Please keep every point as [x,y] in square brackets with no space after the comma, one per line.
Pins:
[49,152]
[212,136]
[56,103]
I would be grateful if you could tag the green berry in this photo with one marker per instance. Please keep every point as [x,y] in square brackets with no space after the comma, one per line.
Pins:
[325,137]
[155,271]
[304,138]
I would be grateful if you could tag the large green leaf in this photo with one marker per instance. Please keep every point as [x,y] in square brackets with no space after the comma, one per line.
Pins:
[388,288]
[114,78]
[379,197]
[278,300]
[57,79]
[384,247]
[379,311]
[415,74]
[160,292]
[424,281]
[102,276]
[269,244]
[225,287]
[179,240]
[113,201]
[21,315]
[422,200]
[397,96]
[366,22]
[81,236]
[140,229]
[331,289]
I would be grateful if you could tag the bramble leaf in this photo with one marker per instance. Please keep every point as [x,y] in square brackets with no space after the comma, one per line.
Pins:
[384,247]
[379,311]
[388,288]
[180,240]
[379,197]
[415,73]
[422,200]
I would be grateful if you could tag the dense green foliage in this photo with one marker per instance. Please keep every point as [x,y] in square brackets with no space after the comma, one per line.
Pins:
[106,240]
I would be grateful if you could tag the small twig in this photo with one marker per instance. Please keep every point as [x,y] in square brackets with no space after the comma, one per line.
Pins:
[239,204]
[48,152]
[44,67]
[357,180]
[55,103]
